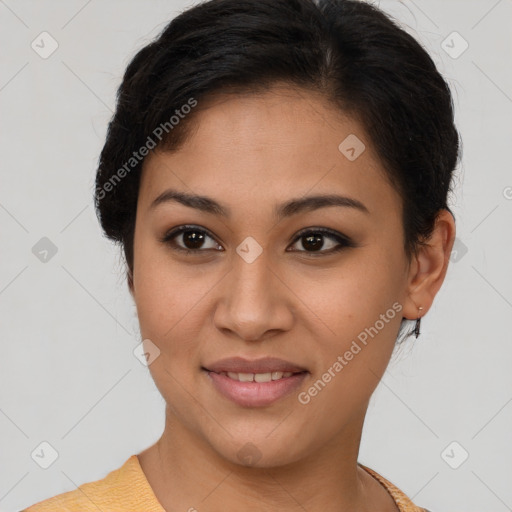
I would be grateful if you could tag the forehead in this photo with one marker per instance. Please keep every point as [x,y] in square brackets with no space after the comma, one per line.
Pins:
[248,148]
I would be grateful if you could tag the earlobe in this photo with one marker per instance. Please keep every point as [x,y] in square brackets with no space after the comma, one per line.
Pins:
[429,267]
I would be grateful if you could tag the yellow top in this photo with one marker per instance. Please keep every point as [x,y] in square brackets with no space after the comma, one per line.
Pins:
[126,489]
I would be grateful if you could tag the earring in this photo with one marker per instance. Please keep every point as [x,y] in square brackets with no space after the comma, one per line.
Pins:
[418,322]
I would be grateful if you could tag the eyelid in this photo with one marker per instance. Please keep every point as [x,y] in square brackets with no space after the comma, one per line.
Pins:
[343,240]
[170,235]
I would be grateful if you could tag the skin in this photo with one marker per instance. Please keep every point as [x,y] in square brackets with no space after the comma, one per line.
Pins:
[250,153]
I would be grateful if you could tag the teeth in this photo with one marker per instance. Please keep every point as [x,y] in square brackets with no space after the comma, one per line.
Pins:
[257,377]
[262,377]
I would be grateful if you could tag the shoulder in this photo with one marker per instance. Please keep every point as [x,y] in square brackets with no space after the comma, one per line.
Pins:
[122,489]
[402,501]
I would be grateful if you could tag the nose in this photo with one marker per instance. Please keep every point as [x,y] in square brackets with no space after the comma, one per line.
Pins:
[254,302]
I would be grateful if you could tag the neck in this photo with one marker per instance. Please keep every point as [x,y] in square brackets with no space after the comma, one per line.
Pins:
[186,474]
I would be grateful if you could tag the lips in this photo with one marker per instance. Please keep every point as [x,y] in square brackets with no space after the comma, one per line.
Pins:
[255,383]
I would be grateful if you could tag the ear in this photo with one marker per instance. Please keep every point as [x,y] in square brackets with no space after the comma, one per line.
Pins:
[428,267]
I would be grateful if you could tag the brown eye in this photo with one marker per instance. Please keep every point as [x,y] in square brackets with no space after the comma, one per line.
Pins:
[312,242]
[321,241]
[193,239]
[190,239]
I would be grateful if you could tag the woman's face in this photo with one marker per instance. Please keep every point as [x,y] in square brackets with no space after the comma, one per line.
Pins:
[263,279]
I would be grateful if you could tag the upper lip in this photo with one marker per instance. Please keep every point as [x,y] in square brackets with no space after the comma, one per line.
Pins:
[263,365]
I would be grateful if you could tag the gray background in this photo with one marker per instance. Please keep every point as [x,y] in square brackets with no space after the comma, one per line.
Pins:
[69,326]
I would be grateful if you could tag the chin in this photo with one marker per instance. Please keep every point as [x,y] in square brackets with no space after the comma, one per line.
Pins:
[259,451]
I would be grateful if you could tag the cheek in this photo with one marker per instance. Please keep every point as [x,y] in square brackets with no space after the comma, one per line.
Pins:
[358,315]
[351,297]
[169,309]
[353,352]
[172,308]
[165,292]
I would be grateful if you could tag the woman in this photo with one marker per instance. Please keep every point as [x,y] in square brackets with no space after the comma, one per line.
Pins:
[277,173]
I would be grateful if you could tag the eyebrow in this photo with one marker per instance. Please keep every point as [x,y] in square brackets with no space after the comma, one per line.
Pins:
[287,209]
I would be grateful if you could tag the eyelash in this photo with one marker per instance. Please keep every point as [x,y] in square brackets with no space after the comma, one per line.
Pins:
[343,241]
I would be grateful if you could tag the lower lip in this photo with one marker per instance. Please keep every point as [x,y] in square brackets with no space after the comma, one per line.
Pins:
[255,394]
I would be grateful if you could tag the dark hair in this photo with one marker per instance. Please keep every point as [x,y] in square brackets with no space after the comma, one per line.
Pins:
[349,51]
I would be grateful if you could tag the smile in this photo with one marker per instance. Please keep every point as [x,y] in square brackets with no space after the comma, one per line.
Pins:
[255,389]
[257,377]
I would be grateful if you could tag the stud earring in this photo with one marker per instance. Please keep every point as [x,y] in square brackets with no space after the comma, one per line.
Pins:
[418,323]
